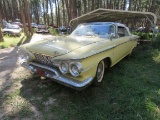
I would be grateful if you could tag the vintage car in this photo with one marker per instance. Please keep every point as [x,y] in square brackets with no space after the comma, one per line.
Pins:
[17,23]
[13,30]
[42,28]
[81,58]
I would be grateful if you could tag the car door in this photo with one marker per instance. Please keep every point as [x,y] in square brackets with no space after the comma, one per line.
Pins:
[121,42]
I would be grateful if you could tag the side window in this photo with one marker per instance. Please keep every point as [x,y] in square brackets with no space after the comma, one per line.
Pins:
[122,31]
[126,32]
[111,29]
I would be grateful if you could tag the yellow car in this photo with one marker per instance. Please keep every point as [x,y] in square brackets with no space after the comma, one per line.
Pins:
[81,58]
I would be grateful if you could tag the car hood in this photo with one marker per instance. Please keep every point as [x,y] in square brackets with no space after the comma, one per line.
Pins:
[60,45]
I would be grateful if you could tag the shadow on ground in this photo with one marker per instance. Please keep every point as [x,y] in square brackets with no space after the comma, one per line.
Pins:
[9,64]
[27,40]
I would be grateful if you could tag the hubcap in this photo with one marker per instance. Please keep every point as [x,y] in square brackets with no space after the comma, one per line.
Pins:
[100,71]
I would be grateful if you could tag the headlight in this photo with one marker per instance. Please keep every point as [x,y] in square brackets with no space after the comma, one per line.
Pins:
[64,67]
[24,55]
[75,69]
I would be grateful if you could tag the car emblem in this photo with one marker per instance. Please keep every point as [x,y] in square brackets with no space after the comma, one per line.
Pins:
[55,53]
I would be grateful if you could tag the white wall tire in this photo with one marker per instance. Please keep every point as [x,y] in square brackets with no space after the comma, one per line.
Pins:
[100,73]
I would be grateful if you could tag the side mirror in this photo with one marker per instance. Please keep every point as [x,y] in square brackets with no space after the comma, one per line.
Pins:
[112,35]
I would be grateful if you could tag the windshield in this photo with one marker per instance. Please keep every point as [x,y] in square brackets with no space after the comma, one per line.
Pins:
[92,30]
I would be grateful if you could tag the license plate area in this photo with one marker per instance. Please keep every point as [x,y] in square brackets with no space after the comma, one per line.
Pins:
[41,72]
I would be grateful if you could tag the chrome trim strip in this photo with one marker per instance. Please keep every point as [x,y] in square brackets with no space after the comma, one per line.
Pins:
[29,67]
[106,49]
[69,82]
[87,69]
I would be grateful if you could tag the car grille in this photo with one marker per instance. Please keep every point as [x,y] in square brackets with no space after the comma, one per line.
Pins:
[44,59]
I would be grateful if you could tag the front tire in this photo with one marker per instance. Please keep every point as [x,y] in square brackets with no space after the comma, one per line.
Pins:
[100,73]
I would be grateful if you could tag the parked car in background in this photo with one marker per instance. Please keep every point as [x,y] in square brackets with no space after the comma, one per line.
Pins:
[13,30]
[4,23]
[34,25]
[64,30]
[42,28]
[17,23]
[81,58]
[140,29]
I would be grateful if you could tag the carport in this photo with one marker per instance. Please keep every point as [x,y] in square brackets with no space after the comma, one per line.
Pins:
[111,15]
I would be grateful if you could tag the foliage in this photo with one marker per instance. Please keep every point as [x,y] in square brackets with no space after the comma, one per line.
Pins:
[12,41]
[53,31]
[144,35]
[156,40]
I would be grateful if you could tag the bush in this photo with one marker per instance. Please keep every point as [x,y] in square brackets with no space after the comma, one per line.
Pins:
[156,40]
[143,35]
[53,31]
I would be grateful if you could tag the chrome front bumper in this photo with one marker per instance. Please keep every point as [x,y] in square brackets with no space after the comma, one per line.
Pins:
[54,74]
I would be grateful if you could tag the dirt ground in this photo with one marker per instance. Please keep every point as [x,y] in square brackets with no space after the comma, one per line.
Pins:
[11,70]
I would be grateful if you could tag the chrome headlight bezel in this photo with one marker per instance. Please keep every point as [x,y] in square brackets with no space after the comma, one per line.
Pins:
[24,55]
[75,68]
[64,67]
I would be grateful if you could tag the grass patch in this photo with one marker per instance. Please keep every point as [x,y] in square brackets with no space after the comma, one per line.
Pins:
[10,41]
[130,91]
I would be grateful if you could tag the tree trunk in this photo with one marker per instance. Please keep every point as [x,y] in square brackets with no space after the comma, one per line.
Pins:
[51,7]
[8,11]
[97,4]
[74,9]
[130,3]
[76,5]
[68,10]
[58,17]
[37,14]
[88,4]
[135,5]
[56,13]
[63,9]
[5,11]
[47,13]
[1,36]
[92,8]
[28,15]
[44,12]
[118,4]
[124,5]
[23,18]
[85,6]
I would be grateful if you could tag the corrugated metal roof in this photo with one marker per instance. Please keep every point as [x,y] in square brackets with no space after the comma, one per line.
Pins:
[111,15]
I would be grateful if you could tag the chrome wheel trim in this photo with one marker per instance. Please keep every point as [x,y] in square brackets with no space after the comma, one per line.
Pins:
[100,71]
